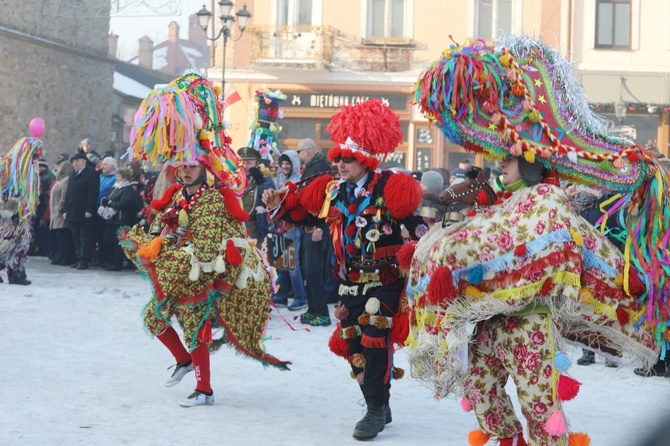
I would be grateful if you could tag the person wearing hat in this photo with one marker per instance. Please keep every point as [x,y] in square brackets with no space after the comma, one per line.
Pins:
[257,224]
[204,274]
[431,183]
[81,204]
[40,225]
[371,215]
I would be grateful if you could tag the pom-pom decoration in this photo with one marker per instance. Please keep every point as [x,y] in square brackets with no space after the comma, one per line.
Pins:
[478,438]
[568,388]
[372,305]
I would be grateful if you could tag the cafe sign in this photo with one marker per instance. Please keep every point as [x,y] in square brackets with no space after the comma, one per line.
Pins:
[334,100]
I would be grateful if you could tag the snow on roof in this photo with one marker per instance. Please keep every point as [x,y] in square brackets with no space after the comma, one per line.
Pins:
[193,54]
[130,87]
[160,58]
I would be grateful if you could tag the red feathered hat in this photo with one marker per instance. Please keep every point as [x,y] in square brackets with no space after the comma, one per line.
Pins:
[367,131]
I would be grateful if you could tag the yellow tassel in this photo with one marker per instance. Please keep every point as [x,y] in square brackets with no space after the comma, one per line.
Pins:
[529,156]
[576,236]
[152,250]
[183,218]
[473,291]
[535,116]
[618,280]
[585,295]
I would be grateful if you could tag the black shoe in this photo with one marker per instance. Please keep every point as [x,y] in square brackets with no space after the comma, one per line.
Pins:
[654,371]
[387,414]
[587,358]
[371,424]
[82,265]
[19,281]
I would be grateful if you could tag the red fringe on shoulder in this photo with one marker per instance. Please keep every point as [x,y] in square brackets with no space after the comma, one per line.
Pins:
[405,255]
[233,205]
[160,204]
[312,196]
[402,195]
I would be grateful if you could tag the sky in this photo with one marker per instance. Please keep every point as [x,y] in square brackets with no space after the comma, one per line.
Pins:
[78,369]
[134,19]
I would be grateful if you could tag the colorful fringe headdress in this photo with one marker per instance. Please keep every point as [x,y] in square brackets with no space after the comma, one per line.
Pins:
[522,99]
[264,128]
[367,131]
[182,122]
[19,173]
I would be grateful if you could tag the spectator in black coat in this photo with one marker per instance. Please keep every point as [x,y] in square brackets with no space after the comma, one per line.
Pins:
[80,206]
[316,242]
[42,238]
[126,201]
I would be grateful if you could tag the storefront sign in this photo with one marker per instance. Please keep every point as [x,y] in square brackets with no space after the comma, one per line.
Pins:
[334,100]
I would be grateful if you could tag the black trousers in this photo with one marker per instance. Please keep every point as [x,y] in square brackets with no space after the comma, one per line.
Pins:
[313,263]
[376,384]
[82,235]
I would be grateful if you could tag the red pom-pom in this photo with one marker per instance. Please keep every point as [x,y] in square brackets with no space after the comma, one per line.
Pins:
[341,312]
[351,249]
[546,286]
[635,284]
[405,255]
[633,157]
[233,205]
[478,438]
[337,344]
[400,328]
[351,230]
[402,195]
[568,388]
[623,316]
[312,196]
[352,208]
[354,276]
[441,286]
[160,204]
[291,186]
[471,213]
[233,256]
[482,198]
[298,214]
[520,250]
[290,200]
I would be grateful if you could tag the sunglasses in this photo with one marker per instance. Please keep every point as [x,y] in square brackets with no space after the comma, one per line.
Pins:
[345,159]
[301,150]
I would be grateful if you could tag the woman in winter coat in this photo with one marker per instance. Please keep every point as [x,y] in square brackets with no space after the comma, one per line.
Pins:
[62,236]
[125,199]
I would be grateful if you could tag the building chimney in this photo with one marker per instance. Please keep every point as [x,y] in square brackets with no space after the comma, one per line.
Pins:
[173,32]
[113,45]
[195,33]
[145,58]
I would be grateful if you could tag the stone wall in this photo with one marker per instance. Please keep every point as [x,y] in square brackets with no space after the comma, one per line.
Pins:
[53,64]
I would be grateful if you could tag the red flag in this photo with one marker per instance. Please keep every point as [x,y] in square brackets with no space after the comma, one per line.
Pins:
[232,95]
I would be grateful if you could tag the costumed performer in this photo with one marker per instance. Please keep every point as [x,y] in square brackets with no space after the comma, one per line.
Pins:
[497,295]
[371,214]
[19,190]
[197,258]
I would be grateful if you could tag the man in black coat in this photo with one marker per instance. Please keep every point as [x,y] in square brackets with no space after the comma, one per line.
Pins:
[315,244]
[80,206]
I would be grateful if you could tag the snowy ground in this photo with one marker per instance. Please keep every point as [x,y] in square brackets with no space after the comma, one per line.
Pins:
[78,369]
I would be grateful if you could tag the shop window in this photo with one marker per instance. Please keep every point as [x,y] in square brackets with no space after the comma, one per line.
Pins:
[613,23]
[493,17]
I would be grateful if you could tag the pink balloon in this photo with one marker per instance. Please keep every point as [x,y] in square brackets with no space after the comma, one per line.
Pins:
[36,127]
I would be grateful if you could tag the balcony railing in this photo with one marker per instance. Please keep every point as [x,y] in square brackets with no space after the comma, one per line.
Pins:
[328,47]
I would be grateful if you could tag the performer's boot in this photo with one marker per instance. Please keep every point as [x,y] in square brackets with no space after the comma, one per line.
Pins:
[516,440]
[372,423]
[170,339]
[17,277]
[203,395]
[388,417]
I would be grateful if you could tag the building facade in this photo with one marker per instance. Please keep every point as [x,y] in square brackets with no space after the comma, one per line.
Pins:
[322,53]
[54,65]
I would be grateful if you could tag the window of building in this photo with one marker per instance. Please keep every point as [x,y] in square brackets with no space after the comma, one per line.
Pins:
[493,17]
[613,21]
[294,12]
[386,18]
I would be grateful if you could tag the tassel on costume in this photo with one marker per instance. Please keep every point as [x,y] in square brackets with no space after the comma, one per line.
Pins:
[405,255]
[555,425]
[160,204]
[338,344]
[578,439]
[622,316]
[568,388]
[151,250]
[561,362]
[400,328]
[520,250]
[312,196]
[194,274]
[233,256]
[478,438]
[219,264]
[441,286]
[465,405]
[402,195]
[476,275]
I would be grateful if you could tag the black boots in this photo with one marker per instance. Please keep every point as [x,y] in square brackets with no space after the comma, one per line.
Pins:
[17,277]
[373,422]
[587,358]
[658,369]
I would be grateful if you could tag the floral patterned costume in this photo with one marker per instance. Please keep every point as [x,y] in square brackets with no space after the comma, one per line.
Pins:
[495,296]
[215,281]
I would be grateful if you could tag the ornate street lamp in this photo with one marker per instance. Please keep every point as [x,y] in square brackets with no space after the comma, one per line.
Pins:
[226,8]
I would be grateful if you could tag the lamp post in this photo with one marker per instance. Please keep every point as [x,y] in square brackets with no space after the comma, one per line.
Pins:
[620,111]
[226,8]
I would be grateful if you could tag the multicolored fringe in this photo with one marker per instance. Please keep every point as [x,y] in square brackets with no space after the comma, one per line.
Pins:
[19,175]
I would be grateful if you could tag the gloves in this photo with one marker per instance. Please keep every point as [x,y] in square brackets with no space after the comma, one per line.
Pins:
[104,201]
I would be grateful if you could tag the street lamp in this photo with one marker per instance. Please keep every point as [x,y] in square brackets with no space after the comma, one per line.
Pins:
[620,111]
[226,8]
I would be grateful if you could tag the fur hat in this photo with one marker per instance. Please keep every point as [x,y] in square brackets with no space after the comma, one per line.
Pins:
[366,131]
